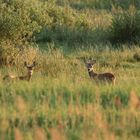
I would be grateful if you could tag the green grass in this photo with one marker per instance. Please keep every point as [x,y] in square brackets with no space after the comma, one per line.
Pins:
[62,100]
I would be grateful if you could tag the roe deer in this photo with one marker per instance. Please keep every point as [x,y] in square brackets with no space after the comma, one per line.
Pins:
[107,77]
[27,77]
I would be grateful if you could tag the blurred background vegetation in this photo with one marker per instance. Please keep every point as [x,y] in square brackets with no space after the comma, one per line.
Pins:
[66,23]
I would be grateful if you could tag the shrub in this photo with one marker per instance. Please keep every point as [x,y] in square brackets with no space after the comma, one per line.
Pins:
[84,4]
[68,26]
[19,22]
[125,27]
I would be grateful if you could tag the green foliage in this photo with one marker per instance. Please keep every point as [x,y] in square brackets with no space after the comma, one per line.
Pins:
[67,26]
[125,26]
[99,4]
[69,103]
[91,4]
[19,21]
[15,21]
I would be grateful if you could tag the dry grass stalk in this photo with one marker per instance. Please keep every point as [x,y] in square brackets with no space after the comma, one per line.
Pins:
[118,102]
[134,101]
[57,135]
[17,134]
[39,134]
[102,127]
[21,105]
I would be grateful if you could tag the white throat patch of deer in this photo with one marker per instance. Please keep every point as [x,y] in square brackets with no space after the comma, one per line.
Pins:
[98,77]
[27,77]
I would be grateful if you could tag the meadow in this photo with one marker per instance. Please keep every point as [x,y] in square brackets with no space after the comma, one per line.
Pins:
[61,102]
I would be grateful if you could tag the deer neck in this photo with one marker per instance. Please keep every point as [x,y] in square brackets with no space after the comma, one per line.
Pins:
[29,75]
[92,73]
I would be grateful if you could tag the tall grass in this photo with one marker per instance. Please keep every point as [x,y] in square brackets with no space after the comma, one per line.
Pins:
[62,102]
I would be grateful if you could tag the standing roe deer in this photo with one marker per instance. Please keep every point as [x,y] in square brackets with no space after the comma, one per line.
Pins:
[107,77]
[27,77]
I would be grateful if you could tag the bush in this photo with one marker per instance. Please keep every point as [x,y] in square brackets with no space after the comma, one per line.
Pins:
[19,22]
[68,26]
[125,27]
[91,4]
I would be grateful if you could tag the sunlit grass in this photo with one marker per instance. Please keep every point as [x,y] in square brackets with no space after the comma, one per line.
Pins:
[62,102]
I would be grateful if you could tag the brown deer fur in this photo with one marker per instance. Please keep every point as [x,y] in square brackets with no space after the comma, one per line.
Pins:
[107,77]
[27,77]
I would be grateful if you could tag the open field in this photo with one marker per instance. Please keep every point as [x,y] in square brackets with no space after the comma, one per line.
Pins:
[66,104]
[61,102]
